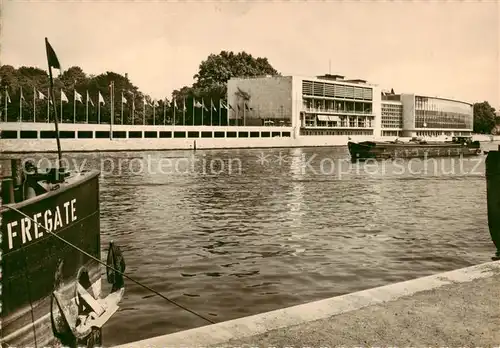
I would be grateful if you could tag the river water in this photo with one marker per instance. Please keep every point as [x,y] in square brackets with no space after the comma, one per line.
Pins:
[230,233]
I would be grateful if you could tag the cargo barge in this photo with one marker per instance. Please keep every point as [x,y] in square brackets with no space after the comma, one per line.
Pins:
[415,148]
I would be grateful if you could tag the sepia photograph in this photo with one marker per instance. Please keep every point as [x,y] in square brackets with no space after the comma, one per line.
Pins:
[249,173]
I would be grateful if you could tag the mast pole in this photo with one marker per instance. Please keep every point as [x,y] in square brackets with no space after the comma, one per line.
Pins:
[59,154]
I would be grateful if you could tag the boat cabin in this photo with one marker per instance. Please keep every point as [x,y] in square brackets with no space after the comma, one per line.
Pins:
[462,140]
[20,183]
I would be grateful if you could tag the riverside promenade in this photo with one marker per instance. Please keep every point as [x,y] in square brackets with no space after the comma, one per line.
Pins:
[460,308]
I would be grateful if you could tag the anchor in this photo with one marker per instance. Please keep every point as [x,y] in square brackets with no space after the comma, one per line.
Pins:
[77,320]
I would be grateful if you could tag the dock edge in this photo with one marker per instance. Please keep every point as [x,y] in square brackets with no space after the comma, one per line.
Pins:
[240,328]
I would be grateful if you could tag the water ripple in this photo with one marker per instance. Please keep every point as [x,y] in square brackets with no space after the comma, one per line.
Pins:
[272,236]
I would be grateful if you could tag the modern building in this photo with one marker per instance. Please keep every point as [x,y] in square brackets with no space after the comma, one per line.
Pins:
[333,105]
[323,105]
[426,116]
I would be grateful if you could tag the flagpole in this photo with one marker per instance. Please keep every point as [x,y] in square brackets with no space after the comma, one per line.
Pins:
[21,106]
[219,112]
[173,108]
[164,110]
[49,49]
[74,105]
[34,104]
[87,109]
[144,112]
[202,109]
[193,110]
[48,105]
[61,107]
[211,109]
[227,112]
[112,110]
[98,108]
[6,102]
[184,112]
[133,107]
[154,112]
[122,108]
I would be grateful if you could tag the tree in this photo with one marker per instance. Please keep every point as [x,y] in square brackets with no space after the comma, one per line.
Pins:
[35,80]
[8,74]
[216,70]
[484,118]
[210,86]
[73,75]
[211,82]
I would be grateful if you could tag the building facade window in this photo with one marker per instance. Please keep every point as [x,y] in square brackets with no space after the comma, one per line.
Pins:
[442,114]
[336,90]
[392,115]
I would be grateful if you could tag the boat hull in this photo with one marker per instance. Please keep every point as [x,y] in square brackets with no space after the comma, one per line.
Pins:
[375,150]
[31,258]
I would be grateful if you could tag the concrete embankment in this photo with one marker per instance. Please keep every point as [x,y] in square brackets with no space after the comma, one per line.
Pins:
[457,308]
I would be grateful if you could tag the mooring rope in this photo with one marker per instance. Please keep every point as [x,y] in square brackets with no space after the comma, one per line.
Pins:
[113,269]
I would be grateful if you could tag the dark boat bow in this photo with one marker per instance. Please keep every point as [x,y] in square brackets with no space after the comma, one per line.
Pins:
[51,280]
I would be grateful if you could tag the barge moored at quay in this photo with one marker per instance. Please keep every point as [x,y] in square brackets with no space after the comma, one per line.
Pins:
[416,148]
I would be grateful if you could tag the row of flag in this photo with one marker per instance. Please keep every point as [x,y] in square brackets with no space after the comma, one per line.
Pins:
[77,97]
[39,95]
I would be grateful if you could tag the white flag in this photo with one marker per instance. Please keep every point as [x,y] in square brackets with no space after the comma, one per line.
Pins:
[155,103]
[8,97]
[212,105]
[123,99]
[78,97]
[63,96]
[41,95]
[89,100]
[101,99]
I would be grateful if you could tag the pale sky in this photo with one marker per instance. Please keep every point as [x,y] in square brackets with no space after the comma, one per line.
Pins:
[445,48]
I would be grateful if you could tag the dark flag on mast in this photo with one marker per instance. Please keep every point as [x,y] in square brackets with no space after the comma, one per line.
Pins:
[54,63]
[51,56]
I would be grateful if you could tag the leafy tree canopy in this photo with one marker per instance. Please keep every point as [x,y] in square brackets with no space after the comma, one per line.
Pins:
[214,72]
[484,118]
[33,80]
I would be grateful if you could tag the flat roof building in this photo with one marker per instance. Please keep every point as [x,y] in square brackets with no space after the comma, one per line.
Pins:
[324,105]
[332,105]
